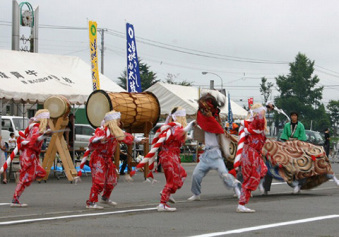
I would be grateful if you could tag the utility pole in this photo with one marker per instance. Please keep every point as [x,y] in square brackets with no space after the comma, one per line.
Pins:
[102,49]
[212,84]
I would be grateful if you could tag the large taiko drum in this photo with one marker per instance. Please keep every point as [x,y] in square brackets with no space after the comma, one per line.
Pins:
[136,108]
[58,106]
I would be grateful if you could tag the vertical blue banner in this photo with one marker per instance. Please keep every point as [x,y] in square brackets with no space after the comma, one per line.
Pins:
[230,114]
[133,74]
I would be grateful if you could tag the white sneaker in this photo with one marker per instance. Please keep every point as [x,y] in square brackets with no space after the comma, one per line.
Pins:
[171,199]
[94,206]
[336,180]
[296,189]
[243,209]
[194,198]
[128,178]
[166,208]
[19,205]
[108,202]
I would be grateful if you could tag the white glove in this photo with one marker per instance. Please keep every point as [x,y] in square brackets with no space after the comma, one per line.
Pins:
[97,139]
[137,139]
[48,130]
[40,138]
[189,126]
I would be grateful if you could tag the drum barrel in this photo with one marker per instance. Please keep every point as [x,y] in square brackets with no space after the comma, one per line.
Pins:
[58,106]
[136,108]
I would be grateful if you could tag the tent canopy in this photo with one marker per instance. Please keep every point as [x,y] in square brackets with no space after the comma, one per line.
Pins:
[32,77]
[170,95]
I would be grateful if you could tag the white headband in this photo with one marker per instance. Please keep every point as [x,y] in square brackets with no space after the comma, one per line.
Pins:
[113,116]
[41,116]
[180,113]
[257,110]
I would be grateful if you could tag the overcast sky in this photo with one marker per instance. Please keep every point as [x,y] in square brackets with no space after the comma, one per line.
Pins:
[239,40]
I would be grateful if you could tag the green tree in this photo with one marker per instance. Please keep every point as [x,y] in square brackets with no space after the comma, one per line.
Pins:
[299,91]
[147,77]
[320,123]
[265,88]
[333,107]
[170,79]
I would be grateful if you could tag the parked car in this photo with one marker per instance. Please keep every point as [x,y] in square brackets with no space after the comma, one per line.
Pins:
[83,132]
[13,124]
[313,137]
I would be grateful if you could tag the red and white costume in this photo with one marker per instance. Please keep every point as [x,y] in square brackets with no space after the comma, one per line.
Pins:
[170,161]
[104,174]
[252,165]
[29,160]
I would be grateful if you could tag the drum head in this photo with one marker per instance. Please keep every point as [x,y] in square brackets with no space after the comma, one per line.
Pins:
[98,104]
[56,106]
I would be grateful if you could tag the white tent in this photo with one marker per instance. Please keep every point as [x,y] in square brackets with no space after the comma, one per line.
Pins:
[32,77]
[170,95]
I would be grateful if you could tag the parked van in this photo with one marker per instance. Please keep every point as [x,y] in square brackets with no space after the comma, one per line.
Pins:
[12,124]
[83,132]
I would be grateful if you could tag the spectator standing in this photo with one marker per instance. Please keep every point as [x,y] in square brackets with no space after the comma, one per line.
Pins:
[294,130]
[327,142]
[3,158]
[11,142]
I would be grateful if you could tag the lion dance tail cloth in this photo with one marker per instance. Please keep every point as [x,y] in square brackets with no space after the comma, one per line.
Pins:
[159,138]
[297,161]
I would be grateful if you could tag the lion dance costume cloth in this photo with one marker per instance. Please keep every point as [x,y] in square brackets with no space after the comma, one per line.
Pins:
[296,160]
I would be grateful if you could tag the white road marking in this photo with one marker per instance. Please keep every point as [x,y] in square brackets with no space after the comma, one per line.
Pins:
[4,204]
[74,216]
[261,227]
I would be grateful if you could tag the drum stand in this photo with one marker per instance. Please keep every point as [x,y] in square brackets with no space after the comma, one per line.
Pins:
[130,163]
[58,144]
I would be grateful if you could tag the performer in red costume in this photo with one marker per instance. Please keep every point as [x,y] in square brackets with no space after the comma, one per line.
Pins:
[252,165]
[170,137]
[170,155]
[31,169]
[103,144]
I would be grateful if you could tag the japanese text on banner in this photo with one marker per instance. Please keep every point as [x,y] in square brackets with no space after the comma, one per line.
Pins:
[94,54]
[133,74]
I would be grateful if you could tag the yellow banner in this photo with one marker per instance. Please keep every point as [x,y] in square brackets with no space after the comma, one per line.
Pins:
[94,54]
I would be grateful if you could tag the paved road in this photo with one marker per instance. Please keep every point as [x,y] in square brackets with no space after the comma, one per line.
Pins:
[56,208]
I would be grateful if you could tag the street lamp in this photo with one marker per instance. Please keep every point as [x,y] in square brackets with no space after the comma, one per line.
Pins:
[222,85]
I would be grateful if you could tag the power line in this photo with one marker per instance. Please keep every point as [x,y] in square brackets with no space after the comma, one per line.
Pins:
[171,47]
[180,49]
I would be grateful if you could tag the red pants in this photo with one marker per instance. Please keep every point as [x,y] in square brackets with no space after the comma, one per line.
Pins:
[174,173]
[253,169]
[104,178]
[28,173]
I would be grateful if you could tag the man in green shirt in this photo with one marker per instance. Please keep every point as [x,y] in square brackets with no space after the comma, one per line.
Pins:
[294,130]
